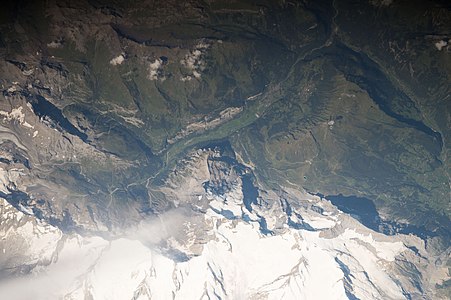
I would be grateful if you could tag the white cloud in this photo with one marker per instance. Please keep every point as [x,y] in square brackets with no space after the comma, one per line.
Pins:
[117,60]
[54,44]
[193,61]
[155,70]
[381,2]
[186,78]
[196,74]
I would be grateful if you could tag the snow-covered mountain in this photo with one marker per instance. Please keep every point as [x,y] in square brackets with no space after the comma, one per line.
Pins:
[289,245]
[216,149]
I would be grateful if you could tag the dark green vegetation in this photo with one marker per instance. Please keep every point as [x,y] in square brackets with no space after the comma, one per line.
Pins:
[343,97]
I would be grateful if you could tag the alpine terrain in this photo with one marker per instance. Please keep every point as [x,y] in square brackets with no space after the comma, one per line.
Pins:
[225,149]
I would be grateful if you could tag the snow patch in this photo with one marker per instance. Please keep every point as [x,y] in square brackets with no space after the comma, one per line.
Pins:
[441,44]
[15,114]
[8,179]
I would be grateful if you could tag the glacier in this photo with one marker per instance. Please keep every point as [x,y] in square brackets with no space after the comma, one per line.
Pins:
[337,258]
